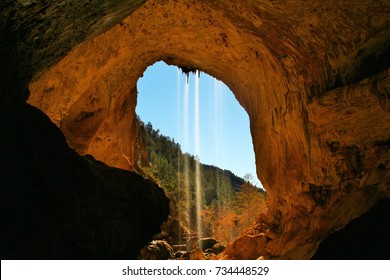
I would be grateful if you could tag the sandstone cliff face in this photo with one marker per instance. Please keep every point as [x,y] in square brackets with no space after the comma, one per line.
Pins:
[313,78]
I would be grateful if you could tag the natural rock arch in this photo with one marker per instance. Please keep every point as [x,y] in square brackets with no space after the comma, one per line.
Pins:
[319,123]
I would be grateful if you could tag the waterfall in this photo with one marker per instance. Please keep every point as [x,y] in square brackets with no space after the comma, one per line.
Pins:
[187,186]
[220,131]
[198,184]
[189,126]
[179,167]
[216,138]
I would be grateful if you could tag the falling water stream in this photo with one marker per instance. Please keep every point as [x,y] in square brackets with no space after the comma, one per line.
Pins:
[179,167]
[219,129]
[192,95]
[186,170]
[198,184]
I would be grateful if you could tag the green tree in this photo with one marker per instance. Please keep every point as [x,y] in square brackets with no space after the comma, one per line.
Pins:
[230,202]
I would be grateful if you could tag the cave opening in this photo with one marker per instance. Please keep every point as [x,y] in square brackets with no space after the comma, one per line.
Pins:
[283,62]
[199,149]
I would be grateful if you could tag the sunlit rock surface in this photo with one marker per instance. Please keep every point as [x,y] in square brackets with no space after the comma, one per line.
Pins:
[313,77]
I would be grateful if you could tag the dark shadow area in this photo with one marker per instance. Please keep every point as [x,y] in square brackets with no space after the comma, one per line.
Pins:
[56,204]
[365,238]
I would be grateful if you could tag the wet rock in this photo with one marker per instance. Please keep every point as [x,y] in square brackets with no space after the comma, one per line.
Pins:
[197,254]
[217,248]
[182,255]
[156,250]
[206,243]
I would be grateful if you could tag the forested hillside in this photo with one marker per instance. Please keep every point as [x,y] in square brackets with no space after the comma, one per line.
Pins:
[228,201]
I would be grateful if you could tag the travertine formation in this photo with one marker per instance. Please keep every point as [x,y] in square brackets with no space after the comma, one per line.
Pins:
[313,76]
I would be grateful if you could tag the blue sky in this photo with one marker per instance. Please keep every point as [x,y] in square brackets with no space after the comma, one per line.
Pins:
[224,136]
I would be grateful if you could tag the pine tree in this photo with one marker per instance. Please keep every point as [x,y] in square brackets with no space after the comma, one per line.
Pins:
[231,203]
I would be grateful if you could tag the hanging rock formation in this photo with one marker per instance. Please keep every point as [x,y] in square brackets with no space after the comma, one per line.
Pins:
[313,76]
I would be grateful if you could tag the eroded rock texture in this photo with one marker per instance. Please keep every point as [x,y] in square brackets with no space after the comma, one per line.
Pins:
[36,33]
[313,77]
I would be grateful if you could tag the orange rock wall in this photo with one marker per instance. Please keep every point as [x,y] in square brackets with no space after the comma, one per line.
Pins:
[320,125]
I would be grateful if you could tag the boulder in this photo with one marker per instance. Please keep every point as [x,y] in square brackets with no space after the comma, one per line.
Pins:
[156,250]
[182,255]
[206,243]
[197,254]
[247,247]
